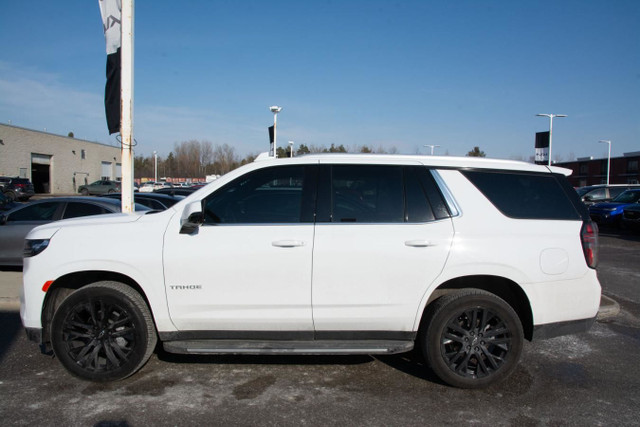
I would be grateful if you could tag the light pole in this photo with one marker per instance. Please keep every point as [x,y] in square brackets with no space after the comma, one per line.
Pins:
[608,157]
[432,147]
[291,149]
[275,110]
[155,157]
[551,116]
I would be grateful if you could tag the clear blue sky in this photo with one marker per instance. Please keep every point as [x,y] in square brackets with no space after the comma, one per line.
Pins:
[383,73]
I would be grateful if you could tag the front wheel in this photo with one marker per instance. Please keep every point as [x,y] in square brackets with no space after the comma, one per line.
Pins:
[103,332]
[472,338]
[84,192]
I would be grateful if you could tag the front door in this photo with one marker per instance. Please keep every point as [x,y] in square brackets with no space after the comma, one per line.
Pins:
[248,267]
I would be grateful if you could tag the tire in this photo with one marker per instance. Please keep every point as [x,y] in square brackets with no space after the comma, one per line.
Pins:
[103,332]
[84,192]
[11,196]
[111,191]
[471,338]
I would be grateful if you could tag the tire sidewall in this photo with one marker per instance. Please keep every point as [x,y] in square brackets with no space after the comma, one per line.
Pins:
[451,306]
[109,295]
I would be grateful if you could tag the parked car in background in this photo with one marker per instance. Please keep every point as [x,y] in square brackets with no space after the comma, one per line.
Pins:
[16,188]
[631,217]
[180,191]
[6,204]
[155,201]
[610,213]
[602,193]
[99,187]
[16,223]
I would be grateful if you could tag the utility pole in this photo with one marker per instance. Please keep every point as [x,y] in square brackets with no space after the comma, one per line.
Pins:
[432,147]
[606,141]
[275,110]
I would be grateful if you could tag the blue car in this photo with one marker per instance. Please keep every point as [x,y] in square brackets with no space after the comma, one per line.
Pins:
[610,213]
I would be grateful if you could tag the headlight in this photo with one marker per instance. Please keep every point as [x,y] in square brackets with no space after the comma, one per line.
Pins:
[34,247]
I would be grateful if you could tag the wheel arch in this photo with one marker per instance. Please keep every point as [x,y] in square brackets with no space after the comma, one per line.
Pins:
[65,285]
[502,287]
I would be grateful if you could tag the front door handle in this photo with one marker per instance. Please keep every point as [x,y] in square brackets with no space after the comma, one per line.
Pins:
[418,243]
[287,243]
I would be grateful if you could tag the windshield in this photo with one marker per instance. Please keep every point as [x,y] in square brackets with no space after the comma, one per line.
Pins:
[628,197]
[582,191]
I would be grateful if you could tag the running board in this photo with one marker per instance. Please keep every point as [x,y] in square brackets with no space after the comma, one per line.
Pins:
[288,347]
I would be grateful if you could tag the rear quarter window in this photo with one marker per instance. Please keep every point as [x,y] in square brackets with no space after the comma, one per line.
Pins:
[525,195]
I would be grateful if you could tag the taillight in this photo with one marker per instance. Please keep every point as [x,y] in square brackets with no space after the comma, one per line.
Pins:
[589,238]
[20,185]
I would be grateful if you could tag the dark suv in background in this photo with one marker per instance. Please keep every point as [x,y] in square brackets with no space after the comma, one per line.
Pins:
[16,188]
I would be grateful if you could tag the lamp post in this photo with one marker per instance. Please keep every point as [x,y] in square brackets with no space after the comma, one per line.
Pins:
[275,110]
[155,158]
[551,116]
[608,157]
[432,147]
[291,149]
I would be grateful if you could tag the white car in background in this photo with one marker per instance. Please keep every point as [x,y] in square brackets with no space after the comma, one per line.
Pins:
[324,254]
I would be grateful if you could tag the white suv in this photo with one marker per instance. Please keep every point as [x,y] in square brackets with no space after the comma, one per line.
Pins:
[324,254]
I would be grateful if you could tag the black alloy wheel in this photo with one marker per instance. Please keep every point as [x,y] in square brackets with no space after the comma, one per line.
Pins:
[103,332]
[473,338]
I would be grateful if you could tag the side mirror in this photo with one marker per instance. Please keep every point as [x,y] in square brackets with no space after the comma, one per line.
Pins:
[192,218]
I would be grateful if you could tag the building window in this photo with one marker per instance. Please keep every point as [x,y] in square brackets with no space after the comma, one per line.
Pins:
[632,166]
[23,173]
[584,168]
[83,154]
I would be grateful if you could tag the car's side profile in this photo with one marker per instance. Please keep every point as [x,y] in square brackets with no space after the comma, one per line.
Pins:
[326,254]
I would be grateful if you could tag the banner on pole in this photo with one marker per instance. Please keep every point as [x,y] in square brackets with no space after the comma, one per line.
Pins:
[542,148]
[111,11]
[271,140]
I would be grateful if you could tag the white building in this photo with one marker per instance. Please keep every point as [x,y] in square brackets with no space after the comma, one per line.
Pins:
[56,164]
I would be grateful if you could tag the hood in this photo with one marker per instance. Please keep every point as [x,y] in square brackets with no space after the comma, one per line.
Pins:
[46,231]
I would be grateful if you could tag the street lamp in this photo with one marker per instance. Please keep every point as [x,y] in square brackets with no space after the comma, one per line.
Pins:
[432,147]
[608,157]
[275,110]
[290,148]
[551,116]
[155,156]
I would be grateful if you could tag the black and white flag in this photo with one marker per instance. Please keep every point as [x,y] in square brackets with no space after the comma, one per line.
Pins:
[542,148]
[111,11]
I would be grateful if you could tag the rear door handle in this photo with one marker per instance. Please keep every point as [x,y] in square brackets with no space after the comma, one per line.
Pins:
[287,243]
[418,243]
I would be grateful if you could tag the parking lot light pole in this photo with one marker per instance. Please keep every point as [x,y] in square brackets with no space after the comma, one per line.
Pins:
[155,157]
[551,116]
[291,149]
[275,110]
[608,158]
[432,147]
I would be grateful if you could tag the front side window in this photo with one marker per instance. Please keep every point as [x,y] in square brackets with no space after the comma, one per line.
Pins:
[266,196]
[36,212]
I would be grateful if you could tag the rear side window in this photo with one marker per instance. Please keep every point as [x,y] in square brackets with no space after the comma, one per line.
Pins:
[525,195]
[36,212]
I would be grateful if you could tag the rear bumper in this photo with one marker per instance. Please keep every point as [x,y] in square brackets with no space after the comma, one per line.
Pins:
[551,330]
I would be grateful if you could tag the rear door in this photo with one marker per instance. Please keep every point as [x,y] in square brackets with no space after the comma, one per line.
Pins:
[382,236]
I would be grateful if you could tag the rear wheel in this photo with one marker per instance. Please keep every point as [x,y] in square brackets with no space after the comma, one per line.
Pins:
[103,332]
[472,338]
[84,192]
[10,195]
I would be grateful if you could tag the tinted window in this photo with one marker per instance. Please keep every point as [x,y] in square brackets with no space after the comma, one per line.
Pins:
[597,194]
[266,196]
[75,210]
[616,191]
[524,195]
[36,212]
[367,194]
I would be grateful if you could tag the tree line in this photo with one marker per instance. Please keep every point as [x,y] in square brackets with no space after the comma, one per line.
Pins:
[196,159]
